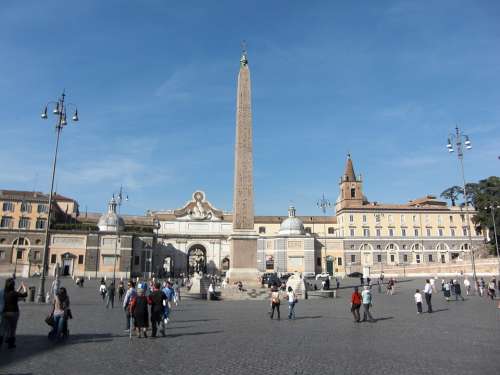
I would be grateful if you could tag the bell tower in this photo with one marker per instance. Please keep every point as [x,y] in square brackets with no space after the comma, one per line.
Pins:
[351,188]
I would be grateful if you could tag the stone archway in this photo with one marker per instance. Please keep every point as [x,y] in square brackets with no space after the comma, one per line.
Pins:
[196,259]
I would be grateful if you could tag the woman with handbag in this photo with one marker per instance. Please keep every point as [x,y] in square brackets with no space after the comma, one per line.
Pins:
[60,315]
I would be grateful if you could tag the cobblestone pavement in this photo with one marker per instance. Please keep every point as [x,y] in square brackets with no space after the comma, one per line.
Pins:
[239,338]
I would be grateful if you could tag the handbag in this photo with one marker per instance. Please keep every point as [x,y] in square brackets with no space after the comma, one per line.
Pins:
[50,320]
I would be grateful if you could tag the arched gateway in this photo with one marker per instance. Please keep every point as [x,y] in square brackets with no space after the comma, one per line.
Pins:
[197,259]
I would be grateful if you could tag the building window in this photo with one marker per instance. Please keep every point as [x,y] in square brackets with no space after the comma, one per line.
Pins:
[25,207]
[19,254]
[352,232]
[377,218]
[428,232]
[366,232]
[391,232]
[378,247]
[137,260]
[339,261]
[440,231]
[451,218]
[392,258]
[24,223]
[414,218]
[379,258]
[378,232]
[405,258]
[6,222]
[404,247]
[351,218]
[318,262]
[390,246]
[331,230]
[42,208]
[364,218]
[108,260]
[452,232]
[443,258]
[353,258]
[40,223]
[464,229]
[262,229]
[308,230]
[80,259]
[418,258]
[2,254]
[36,255]
[440,220]
[403,219]
[391,220]
[53,258]
[416,232]
[353,193]
[430,258]
[462,216]
[403,232]
[352,247]
[8,206]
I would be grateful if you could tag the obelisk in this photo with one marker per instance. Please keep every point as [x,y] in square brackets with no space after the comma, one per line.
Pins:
[243,266]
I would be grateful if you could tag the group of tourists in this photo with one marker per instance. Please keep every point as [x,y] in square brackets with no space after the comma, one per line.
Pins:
[144,303]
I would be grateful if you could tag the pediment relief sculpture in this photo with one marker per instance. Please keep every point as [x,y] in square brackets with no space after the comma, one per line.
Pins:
[198,209]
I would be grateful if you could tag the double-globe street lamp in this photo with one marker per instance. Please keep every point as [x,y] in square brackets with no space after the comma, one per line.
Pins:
[323,204]
[493,207]
[460,140]
[60,111]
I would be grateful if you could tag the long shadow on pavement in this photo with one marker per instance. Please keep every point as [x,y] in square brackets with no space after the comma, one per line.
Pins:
[29,345]
[309,317]
[194,333]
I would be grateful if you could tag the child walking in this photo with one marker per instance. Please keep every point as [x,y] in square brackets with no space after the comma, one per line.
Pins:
[418,301]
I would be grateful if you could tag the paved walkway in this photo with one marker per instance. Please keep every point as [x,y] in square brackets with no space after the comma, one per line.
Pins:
[239,338]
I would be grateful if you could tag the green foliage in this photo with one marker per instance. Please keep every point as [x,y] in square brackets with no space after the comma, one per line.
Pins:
[452,194]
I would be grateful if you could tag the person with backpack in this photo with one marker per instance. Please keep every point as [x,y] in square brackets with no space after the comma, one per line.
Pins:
[356,304]
[275,301]
[292,301]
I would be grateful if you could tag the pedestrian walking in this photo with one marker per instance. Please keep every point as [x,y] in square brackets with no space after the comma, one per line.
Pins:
[110,293]
[156,300]
[129,297]
[491,289]
[482,285]
[428,295]
[60,315]
[390,286]
[292,301]
[177,293]
[467,286]
[458,290]
[10,315]
[121,291]
[139,310]
[418,301]
[275,301]
[447,291]
[167,305]
[367,300]
[433,286]
[356,304]
[103,289]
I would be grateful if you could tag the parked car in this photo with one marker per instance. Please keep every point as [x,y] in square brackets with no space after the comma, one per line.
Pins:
[322,275]
[355,274]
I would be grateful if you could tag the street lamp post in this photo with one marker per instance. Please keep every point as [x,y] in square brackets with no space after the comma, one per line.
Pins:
[461,140]
[119,199]
[323,204]
[493,207]
[157,226]
[59,110]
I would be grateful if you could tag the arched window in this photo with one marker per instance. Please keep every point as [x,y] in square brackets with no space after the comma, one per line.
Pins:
[465,246]
[392,246]
[366,246]
[441,246]
[416,246]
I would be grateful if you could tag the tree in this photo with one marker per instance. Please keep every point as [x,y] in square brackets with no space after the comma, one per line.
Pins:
[452,194]
[487,193]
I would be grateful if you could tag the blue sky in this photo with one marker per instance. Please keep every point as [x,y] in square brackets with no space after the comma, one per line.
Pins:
[155,83]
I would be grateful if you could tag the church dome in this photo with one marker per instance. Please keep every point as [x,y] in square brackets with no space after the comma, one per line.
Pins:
[110,220]
[292,225]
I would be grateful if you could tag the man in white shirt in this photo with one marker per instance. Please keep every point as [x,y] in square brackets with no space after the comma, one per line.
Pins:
[467,285]
[428,295]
